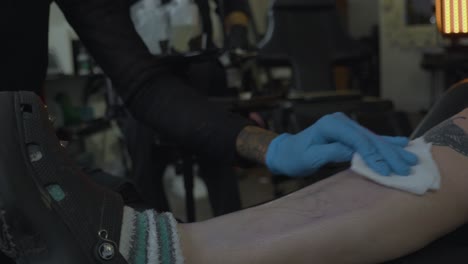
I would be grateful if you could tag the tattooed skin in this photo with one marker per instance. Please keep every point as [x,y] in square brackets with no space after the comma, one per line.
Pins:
[252,143]
[450,135]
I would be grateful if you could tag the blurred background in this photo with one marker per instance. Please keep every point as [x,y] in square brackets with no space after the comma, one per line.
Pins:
[282,63]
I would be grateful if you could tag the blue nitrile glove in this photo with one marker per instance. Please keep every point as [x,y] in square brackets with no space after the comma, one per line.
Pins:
[335,138]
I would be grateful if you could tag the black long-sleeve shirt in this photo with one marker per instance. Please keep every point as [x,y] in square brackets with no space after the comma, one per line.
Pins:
[152,89]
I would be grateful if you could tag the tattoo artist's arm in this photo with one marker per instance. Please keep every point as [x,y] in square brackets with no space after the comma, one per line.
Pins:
[252,143]
[155,90]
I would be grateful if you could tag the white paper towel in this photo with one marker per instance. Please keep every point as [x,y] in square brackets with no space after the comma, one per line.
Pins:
[424,177]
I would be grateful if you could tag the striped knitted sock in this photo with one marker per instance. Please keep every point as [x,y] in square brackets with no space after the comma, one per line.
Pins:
[149,238]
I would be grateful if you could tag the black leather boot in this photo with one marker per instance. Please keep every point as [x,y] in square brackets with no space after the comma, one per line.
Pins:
[50,212]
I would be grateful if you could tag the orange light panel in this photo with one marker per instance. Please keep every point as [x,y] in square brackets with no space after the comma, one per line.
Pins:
[456,16]
[452,16]
[464,14]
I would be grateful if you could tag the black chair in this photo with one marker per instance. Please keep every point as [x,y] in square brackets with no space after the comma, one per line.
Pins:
[453,247]
[451,103]
[310,36]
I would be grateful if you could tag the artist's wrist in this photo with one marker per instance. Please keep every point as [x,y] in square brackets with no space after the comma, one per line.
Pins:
[253,143]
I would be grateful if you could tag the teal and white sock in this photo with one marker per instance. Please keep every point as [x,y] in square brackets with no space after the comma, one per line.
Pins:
[149,238]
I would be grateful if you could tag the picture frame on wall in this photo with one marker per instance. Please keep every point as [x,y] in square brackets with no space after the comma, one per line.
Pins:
[409,23]
[420,12]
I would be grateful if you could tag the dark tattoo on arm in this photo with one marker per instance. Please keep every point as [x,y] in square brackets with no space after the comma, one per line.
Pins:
[450,135]
[252,143]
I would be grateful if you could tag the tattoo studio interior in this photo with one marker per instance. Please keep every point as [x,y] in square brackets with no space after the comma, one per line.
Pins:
[234,131]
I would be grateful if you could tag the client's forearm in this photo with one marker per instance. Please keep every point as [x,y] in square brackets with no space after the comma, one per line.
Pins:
[309,225]
[344,219]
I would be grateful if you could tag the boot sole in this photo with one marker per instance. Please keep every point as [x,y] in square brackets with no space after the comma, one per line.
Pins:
[35,232]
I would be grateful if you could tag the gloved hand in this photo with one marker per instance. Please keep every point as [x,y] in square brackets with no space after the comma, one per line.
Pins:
[335,138]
